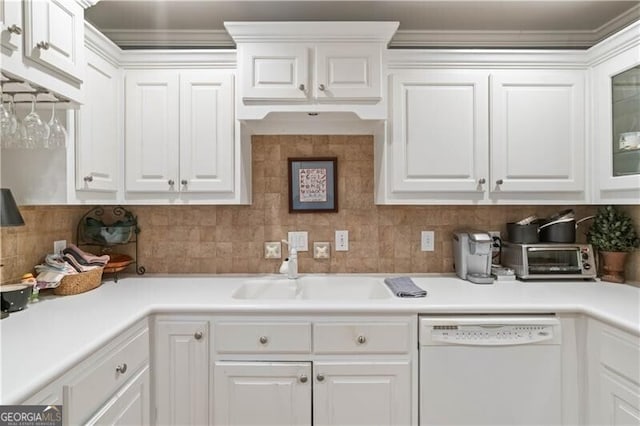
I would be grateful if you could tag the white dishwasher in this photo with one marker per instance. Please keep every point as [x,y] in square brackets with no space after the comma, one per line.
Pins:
[490,370]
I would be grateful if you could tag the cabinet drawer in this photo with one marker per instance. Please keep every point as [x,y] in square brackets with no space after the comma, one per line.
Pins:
[91,390]
[262,337]
[376,337]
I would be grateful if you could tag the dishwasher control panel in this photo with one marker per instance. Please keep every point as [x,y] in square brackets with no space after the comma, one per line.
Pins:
[490,330]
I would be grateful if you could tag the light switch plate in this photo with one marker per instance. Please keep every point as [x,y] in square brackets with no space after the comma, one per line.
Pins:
[427,240]
[321,250]
[342,240]
[59,245]
[272,250]
[299,240]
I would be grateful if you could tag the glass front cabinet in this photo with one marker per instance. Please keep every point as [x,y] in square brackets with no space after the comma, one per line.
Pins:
[616,129]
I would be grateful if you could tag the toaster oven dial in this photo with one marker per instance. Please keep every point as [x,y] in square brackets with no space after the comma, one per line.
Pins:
[586,266]
[585,256]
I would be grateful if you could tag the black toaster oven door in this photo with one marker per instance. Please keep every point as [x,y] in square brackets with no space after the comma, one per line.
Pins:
[554,261]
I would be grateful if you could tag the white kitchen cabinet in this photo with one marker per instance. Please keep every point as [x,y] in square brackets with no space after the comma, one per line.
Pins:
[613,375]
[361,393]
[54,35]
[314,370]
[99,137]
[130,406]
[440,132]
[179,131]
[284,72]
[12,26]
[619,54]
[484,136]
[537,131]
[181,365]
[43,43]
[262,393]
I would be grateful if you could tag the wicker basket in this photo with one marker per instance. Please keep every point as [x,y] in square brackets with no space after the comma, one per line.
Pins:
[79,283]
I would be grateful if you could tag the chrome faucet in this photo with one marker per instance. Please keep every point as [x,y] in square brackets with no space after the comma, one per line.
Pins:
[290,264]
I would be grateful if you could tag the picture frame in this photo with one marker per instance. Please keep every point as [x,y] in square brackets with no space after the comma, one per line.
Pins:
[313,184]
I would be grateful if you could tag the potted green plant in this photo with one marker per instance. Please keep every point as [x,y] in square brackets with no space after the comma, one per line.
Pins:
[613,234]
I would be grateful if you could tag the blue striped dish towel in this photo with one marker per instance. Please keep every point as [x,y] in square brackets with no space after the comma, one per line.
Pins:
[404,287]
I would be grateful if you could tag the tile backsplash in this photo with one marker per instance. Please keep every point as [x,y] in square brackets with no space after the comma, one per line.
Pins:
[230,239]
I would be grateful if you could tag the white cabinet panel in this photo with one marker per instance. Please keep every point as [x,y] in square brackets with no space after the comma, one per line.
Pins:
[98,138]
[275,72]
[348,72]
[12,26]
[353,393]
[537,131]
[440,131]
[206,131]
[130,406]
[262,393]
[55,35]
[151,130]
[182,372]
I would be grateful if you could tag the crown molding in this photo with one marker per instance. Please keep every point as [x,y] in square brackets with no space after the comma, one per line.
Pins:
[87,3]
[130,39]
[99,44]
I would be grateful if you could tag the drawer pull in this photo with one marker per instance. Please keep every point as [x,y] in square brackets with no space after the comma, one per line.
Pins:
[171,182]
[44,45]
[88,178]
[321,87]
[14,29]
[482,181]
[303,379]
[499,182]
[122,368]
[198,335]
[320,378]
[264,340]
[361,340]
[301,87]
[184,181]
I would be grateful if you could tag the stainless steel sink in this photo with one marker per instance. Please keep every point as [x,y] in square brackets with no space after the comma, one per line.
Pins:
[313,288]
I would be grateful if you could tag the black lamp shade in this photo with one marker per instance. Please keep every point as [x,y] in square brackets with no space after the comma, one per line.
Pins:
[9,213]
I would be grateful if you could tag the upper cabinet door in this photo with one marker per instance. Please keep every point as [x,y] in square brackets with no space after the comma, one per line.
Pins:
[440,131]
[348,72]
[98,142]
[275,71]
[206,131]
[537,131]
[54,35]
[151,130]
[12,27]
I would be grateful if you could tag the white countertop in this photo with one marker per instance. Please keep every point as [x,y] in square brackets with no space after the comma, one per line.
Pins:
[51,336]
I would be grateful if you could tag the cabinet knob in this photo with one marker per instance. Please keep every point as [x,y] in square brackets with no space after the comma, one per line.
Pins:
[482,181]
[320,378]
[14,29]
[321,87]
[361,340]
[44,45]
[301,87]
[88,178]
[197,335]
[171,182]
[122,368]
[264,340]
[184,181]
[303,379]
[499,182]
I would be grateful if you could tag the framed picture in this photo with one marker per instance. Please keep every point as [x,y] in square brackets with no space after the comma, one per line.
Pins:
[313,185]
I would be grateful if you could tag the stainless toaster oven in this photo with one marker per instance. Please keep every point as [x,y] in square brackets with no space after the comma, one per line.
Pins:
[549,261]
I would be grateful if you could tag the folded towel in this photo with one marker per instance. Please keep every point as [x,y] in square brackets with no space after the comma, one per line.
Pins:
[404,287]
[85,258]
[78,266]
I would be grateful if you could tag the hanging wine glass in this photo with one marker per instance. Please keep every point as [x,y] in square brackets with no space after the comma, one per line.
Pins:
[5,124]
[16,130]
[36,130]
[57,133]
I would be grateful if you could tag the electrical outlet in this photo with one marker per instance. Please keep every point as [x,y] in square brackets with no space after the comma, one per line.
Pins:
[321,250]
[59,245]
[427,240]
[342,240]
[495,246]
[272,250]
[299,240]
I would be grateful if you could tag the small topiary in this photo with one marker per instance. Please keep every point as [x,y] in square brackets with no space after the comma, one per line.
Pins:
[612,230]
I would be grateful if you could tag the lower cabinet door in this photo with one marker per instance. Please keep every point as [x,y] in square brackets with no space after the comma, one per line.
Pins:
[376,393]
[181,372]
[130,405]
[262,393]
[619,401]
